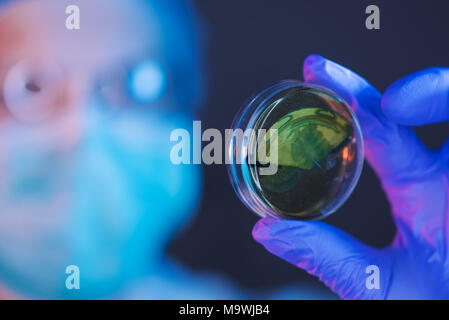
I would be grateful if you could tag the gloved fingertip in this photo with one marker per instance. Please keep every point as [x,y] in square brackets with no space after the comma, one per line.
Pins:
[312,66]
[269,228]
[324,72]
[313,59]
[262,228]
[392,104]
[282,238]
[419,98]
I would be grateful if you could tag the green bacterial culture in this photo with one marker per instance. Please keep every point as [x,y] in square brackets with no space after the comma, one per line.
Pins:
[310,141]
[317,153]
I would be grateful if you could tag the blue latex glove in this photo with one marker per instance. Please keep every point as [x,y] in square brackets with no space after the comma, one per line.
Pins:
[415,180]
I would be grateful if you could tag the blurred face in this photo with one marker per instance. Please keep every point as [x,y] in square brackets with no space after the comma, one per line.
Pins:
[85,172]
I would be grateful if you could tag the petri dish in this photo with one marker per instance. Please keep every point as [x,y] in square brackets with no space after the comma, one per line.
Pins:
[296,152]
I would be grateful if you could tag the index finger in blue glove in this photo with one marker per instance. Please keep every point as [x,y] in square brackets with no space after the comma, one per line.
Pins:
[418,99]
[393,151]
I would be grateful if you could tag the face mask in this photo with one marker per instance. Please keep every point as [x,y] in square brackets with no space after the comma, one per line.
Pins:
[105,198]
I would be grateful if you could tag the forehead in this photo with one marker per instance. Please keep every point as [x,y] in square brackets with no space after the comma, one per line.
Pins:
[109,30]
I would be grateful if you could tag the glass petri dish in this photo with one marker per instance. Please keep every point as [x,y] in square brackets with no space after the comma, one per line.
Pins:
[296,152]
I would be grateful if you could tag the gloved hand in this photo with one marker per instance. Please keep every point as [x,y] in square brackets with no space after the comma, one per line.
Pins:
[415,180]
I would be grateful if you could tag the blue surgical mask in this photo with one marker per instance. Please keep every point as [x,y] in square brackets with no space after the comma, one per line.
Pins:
[108,204]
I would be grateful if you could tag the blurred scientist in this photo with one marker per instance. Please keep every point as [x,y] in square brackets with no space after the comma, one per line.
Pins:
[85,175]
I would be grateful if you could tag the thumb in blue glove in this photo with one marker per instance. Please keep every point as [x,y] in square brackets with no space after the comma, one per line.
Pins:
[415,181]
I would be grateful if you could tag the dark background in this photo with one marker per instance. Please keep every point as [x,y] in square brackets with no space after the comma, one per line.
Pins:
[254,43]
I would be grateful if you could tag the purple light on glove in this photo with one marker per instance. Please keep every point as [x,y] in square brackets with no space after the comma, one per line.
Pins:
[415,180]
